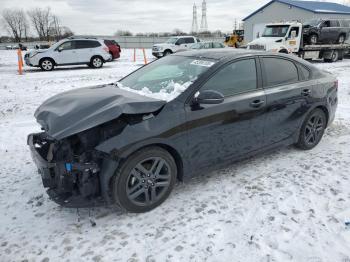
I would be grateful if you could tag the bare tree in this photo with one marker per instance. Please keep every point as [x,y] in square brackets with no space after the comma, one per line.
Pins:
[55,28]
[41,20]
[15,23]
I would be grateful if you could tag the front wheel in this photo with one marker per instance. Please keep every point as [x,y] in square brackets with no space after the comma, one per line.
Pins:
[341,39]
[145,180]
[313,39]
[47,64]
[167,52]
[312,129]
[96,62]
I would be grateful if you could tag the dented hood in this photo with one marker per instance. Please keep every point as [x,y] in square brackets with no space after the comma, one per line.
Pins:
[74,111]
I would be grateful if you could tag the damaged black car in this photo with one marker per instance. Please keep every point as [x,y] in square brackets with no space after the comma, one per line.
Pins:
[127,143]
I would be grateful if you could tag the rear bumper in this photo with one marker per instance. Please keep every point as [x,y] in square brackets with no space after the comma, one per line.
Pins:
[70,184]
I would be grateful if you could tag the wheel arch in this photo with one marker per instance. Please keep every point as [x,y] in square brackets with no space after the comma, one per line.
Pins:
[97,56]
[170,149]
[168,50]
[325,110]
[46,57]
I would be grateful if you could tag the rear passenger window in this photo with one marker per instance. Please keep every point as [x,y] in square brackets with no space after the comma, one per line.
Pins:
[86,44]
[279,71]
[304,72]
[235,78]
[334,23]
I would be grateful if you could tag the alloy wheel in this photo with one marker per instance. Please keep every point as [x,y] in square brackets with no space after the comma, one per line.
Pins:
[148,181]
[314,129]
[97,62]
[47,65]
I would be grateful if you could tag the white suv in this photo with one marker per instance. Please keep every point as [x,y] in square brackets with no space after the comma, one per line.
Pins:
[173,45]
[70,51]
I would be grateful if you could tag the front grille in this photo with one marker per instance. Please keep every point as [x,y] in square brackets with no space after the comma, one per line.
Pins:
[257,47]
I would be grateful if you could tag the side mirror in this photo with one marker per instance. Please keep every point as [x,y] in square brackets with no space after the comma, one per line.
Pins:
[177,43]
[60,49]
[209,97]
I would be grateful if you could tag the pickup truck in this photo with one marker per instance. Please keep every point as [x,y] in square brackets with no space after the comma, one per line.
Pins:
[173,44]
[287,37]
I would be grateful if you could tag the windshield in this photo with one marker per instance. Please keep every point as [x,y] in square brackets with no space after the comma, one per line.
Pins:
[172,40]
[57,44]
[312,23]
[166,78]
[275,30]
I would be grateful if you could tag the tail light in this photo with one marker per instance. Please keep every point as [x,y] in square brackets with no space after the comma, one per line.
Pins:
[106,49]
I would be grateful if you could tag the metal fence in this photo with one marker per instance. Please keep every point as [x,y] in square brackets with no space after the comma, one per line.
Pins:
[124,41]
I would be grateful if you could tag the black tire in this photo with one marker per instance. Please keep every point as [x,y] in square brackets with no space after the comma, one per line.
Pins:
[341,39]
[167,52]
[136,188]
[96,62]
[312,129]
[47,64]
[334,57]
[313,39]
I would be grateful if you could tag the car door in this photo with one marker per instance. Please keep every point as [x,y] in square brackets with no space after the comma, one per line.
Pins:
[221,132]
[65,53]
[325,32]
[334,30]
[85,50]
[285,98]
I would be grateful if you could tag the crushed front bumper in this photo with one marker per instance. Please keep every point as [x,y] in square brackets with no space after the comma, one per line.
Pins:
[69,183]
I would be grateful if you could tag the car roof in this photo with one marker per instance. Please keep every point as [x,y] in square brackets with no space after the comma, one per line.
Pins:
[232,53]
[219,54]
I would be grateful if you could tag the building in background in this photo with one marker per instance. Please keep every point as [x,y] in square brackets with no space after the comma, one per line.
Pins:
[289,10]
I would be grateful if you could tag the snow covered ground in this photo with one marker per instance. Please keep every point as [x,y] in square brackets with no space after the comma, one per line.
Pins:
[288,205]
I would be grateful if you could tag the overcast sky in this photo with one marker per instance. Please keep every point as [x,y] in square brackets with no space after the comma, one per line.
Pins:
[104,17]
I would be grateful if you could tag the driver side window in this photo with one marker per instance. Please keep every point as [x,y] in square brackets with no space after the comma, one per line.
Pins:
[180,41]
[66,46]
[235,78]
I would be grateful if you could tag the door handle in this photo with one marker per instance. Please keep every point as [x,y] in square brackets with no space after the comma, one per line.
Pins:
[257,103]
[306,92]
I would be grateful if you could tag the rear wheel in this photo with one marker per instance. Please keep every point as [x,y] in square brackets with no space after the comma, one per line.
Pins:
[312,129]
[145,180]
[47,64]
[334,57]
[96,62]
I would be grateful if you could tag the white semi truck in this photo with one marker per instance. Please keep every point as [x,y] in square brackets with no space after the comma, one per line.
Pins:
[287,37]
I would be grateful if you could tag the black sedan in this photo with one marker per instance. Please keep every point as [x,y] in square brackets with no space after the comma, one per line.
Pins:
[127,143]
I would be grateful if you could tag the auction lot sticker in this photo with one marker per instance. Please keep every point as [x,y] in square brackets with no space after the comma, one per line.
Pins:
[202,63]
